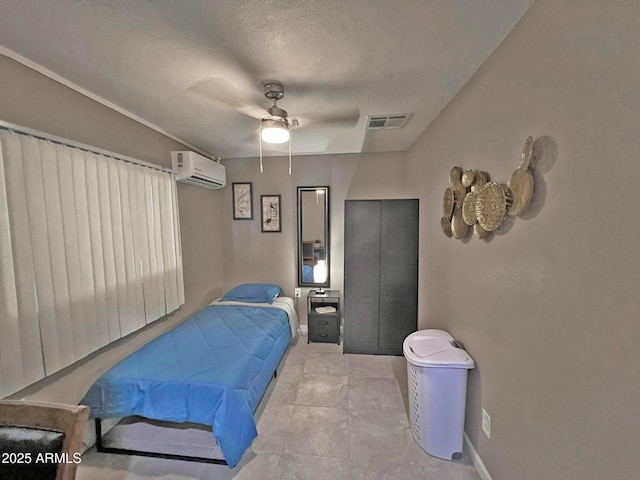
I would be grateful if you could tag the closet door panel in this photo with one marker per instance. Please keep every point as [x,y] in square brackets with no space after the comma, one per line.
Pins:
[362,228]
[399,228]
[398,318]
[361,328]
[398,273]
[362,309]
[362,274]
[399,248]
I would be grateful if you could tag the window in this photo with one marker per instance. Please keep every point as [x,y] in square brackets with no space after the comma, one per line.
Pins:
[89,252]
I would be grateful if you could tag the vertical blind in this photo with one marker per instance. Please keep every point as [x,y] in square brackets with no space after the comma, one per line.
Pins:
[89,252]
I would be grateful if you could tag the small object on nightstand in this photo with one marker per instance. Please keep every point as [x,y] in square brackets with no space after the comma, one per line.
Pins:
[327,309]
[323,316]
[320,275]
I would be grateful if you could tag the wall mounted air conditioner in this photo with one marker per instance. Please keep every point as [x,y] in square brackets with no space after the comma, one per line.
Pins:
[198,170]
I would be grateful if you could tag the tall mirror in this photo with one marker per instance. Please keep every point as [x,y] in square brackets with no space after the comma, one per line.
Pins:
[313,237]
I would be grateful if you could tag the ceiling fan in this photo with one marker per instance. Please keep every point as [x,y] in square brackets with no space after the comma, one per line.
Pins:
[276,128]
[238,93]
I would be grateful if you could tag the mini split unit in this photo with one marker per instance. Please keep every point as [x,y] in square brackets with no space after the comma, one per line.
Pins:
[196,169]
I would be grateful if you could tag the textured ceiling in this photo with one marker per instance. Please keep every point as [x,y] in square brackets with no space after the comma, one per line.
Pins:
[196,68]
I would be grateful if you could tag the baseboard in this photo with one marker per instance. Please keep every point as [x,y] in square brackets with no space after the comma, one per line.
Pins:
[303,329]
[475,458]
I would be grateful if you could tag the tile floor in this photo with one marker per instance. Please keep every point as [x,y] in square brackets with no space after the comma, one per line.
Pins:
[326,416]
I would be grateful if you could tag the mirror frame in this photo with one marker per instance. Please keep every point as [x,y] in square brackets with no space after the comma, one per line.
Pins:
[327,236]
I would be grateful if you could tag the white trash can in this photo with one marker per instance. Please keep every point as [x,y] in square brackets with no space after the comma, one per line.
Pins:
[437,368]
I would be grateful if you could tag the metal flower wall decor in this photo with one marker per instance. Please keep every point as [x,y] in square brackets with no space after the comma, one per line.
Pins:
[473,200]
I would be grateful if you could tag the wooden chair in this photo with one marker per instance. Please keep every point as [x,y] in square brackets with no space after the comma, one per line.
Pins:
[40,441]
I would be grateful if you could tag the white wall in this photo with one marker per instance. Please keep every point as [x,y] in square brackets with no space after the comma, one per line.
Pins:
[548,307]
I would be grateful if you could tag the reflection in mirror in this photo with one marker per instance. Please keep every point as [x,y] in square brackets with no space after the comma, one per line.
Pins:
[313,236]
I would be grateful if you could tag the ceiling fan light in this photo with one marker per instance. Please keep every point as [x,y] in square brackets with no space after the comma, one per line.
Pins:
[274,131]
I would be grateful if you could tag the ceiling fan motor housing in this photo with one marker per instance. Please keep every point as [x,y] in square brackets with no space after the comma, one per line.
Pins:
[273,91]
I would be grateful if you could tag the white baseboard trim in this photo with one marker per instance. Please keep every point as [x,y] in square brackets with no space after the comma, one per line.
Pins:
[304,329]
[475,458]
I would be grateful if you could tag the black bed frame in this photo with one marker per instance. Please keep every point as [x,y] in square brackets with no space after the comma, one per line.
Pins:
[100,447]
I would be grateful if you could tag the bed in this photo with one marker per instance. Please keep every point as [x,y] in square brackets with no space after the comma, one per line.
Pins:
[211,369]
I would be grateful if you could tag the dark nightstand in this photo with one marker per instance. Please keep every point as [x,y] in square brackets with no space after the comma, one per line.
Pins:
[323,327]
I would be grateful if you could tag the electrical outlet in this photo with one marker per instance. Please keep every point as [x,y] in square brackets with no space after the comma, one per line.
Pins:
[298,292]
[486,423]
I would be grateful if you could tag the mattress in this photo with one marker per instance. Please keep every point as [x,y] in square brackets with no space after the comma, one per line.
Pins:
[211,369]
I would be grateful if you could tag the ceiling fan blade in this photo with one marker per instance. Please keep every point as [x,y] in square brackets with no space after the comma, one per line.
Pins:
[251,137]
[253,111]
[323,89]
[224,91]
[347,118]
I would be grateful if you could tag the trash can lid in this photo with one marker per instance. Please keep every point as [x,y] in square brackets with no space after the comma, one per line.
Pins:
[435,352]
[431,333]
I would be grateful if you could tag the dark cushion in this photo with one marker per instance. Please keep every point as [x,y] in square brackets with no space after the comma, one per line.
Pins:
[22,453]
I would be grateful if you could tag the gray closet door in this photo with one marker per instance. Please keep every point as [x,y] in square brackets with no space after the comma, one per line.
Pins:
[398,273]
[361,275]
[381,275]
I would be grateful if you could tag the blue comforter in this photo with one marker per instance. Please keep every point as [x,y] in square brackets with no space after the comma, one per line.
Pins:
[211,369]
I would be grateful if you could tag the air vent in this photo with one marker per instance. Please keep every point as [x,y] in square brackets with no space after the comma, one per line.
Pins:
[387,122]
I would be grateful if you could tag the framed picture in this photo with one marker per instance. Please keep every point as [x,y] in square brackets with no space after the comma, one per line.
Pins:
[242,201]
[270,213]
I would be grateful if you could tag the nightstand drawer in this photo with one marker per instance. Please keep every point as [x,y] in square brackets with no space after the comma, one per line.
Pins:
[323,328]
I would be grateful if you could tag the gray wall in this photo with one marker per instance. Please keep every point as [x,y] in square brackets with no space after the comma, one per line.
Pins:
[548,307]
[250,255]
[32,100]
